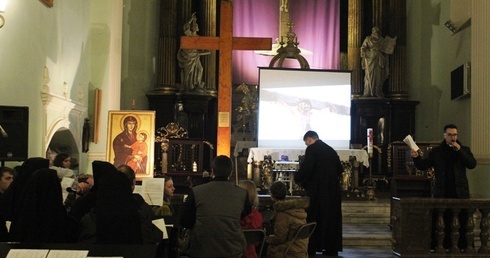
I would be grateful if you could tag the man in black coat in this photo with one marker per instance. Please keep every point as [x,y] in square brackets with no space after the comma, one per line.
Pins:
[319,175]
[450,160]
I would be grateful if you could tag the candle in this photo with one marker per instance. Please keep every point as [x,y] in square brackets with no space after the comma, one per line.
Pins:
[249,171]
[370,136]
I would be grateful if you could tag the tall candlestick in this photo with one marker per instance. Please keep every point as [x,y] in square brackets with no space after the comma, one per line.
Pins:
[370,136]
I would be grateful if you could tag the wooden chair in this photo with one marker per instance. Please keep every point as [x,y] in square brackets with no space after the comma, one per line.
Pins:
[254,236]
[304,232]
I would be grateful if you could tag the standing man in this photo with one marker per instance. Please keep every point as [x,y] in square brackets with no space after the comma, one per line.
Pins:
[319,174]
[126,138]
[450,160]
[213,211]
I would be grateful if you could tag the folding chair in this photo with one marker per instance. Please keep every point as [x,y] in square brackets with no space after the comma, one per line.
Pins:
[304,232]
[254,236]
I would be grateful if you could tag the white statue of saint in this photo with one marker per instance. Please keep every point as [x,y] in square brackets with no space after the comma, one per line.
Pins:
[375,62]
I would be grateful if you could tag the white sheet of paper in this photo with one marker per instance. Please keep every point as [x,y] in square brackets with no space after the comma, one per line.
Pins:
[153,184]
[152,190]
[411,143]
[137,189]
[65,183]
[67,254]
[160,224]
[31,253]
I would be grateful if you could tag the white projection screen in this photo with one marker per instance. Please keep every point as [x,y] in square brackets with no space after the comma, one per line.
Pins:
[293,101]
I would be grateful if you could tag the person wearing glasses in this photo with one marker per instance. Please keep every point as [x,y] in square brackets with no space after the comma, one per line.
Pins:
[450,160]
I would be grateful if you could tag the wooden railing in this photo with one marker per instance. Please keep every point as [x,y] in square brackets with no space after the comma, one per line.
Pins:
[414,220]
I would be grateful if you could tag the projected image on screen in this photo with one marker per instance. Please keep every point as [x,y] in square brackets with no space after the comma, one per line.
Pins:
[293,101]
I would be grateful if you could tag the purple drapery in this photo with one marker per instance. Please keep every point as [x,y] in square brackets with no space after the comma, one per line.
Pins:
[316,24]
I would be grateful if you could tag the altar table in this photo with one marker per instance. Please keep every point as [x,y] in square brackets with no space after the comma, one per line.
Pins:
[257,154]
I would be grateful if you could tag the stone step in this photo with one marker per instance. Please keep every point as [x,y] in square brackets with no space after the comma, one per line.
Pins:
[366,235]
[366,212]
[366,218]
[366,223]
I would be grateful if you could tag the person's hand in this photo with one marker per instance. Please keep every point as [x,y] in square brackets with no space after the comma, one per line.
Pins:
[415,154]
[456,146]
[82,188]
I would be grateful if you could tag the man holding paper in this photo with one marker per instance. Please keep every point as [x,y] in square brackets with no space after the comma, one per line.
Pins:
[450,160]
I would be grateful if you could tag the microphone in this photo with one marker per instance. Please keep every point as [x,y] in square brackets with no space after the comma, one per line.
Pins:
[452,146]
[3,133]
[71,190]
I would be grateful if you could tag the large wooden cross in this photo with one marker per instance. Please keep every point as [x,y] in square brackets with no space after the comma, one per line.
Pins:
[225,43]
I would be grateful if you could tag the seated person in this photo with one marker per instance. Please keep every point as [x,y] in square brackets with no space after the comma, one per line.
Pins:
[120,217]
[213,211]
[168,191]
[254,219]
[289,216]
[85,203]
[42,218]
[6,178]
[62,165]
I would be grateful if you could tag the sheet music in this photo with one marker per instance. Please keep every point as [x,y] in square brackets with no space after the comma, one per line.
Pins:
[411,143]
[31,253]
[160,224]
[151,190]
[67,254]
[65,183]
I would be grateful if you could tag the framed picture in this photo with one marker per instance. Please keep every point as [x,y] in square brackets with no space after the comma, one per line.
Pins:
[130,140]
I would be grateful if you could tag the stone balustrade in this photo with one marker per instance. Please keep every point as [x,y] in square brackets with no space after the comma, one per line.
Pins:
[414,220]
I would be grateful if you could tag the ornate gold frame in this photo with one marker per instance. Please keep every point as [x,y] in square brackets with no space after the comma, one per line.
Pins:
[145,123]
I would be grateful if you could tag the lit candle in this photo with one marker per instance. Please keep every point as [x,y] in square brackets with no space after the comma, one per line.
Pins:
[249,171]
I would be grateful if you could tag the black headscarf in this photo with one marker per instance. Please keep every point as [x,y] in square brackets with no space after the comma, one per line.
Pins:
[99,169]
[85,203]
[42,217]
[118,220]
[12,196]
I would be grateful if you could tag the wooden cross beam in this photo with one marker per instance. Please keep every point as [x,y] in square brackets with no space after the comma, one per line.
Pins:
[225,44]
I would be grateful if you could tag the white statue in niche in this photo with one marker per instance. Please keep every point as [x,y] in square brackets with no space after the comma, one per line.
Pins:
[375,62]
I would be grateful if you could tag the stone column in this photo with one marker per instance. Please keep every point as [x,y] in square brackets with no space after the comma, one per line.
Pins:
[354,41]
[167,47]
[396,26]
[480,92]
[209,7]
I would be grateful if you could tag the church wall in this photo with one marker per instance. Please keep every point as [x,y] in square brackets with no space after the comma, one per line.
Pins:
[35,37]
[78,42]
[433,52]
[139,55]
